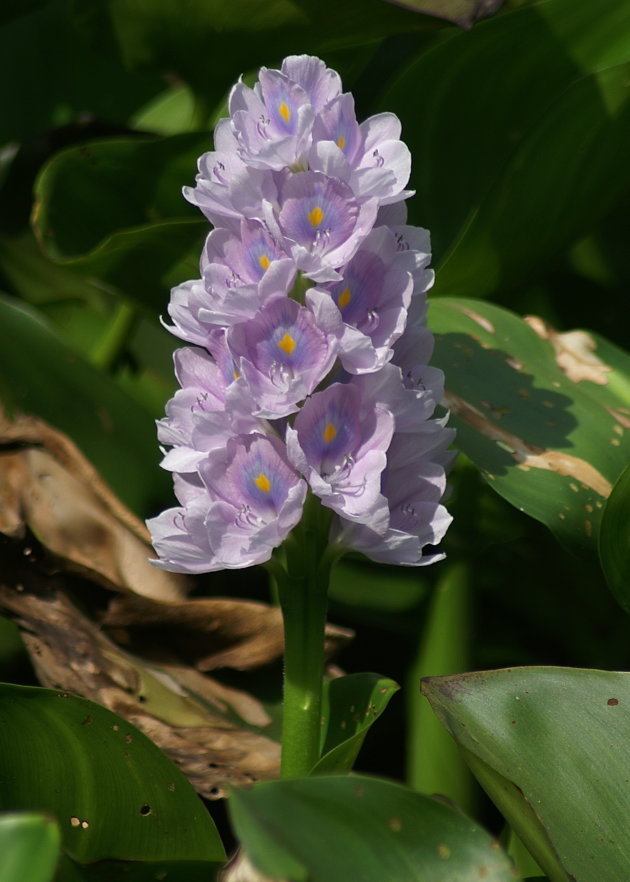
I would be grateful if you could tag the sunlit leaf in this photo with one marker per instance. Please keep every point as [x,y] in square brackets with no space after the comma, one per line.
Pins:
[113,792]
[543,415]
[549,746]
[29,847]
[331,829]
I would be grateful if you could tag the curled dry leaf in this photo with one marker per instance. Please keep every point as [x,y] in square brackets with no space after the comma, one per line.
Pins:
[47,484]
[98,620]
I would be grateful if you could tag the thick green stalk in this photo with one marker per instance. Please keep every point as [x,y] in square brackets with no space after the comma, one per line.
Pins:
[303,588]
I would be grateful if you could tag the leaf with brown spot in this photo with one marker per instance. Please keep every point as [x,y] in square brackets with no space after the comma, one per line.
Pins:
[543,415]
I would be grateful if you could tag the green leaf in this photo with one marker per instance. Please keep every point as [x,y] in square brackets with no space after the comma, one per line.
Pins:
[461,12]
[137,871]
[39,374]
[614,540]
[499,180]
[113,792]
[114,208]
[350,705]
[549,746]
[39,39]
[331,829]
[29,845]
[433,762]
[541,414]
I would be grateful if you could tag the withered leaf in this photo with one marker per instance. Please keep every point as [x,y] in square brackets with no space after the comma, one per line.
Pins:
[48,485]
[100,621]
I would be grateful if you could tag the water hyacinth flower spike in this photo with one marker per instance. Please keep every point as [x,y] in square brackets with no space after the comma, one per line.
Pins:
[305,373]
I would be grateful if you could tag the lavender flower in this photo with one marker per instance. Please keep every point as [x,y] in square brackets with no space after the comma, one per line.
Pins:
[308,365]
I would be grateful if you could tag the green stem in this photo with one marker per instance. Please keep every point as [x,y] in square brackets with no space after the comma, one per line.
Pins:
[303,588]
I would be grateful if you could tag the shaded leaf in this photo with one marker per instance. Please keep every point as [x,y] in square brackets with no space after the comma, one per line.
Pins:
[372,830]
[39,374]
[350,705]
[42,43]
[543,415]
[114,793]
[500,183]
[114,208]
[461,12]
[138,871]
[215,42]
[29,845]
[549,746]
[614,540]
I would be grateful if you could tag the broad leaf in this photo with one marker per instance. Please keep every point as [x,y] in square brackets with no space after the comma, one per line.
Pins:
[113,792]
[29,845]
[351,704]
[614,540]
[331,829]
[550,747]
[543,415]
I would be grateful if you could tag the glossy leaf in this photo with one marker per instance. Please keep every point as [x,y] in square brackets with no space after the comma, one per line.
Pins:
[543,415]
[614,540]
[331,829]
[351,704]
[113,792]
[549,746]
[499,180]
[39,374]
[29,847]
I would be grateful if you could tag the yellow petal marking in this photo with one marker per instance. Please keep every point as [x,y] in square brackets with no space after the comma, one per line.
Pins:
[264,261]
[330,433]
[284,112]
[287,344]
[236,374]
[263,483]
[316,216]
[341,142]
[344,298]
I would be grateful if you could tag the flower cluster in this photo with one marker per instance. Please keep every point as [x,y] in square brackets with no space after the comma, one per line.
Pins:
[308,370]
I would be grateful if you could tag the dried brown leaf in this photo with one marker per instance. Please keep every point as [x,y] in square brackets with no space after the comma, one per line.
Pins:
[47,485]
[195,720]
[139,647]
